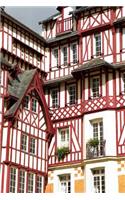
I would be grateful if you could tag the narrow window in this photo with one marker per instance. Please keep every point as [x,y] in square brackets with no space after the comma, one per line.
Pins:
[32,145]
[54,96]
[30,182]
[123,81]
[55,54]
[65,55]
[98,134]
[12,180]
[21,181]
[71,94]
[65,183]
[95,87]
[74,53]
[26,102]
[64,137]
[99,180]
[24,142]
[34,105]
[39,184]
[98,44]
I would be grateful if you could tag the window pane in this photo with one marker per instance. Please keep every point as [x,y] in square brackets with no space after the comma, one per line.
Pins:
[30,182]
[32,145]
[34,105]
[98,44]
[72,94]
[99,180]
[39,184]
[26,102]
[65,183]
[65,55]
[21,181]
[74,52]
[24,142]
[95,87]
[54,96]
[55,54]
[12,180]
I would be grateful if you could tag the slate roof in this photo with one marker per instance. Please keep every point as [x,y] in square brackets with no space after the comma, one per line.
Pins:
[58,80]
[18,88]
[94,63]
[119,21]
[49,18]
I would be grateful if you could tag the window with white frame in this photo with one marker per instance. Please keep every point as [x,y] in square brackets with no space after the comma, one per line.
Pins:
[34,105]
[24,142]
[30,182]
[54,96]
[26,102]
[55,58]
[64,137]
[98,44]
[32,145]
[97,126]
[95,87]
[74,53]
[64,51]
[39,184]
[99,180]
[21,181]
[65,183]
[71,94]
[12,187]
[123,83]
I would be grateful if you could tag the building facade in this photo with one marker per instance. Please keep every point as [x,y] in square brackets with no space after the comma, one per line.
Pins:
[63,102]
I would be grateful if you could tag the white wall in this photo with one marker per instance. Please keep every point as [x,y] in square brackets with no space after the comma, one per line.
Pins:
[109,130]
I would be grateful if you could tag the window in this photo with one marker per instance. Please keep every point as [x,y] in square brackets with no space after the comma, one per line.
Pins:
[32,145]
[24,142]
[99,180]
[98,134]
[95,87]
[12,180]
[98,44]
[39,184]
[54,96]
[26,102]
[55,55]
[74,53]
[65,183]
[30,182]
[21,181]
[64,137]
[65,55]
[72,94]
[123,85]
[34,105]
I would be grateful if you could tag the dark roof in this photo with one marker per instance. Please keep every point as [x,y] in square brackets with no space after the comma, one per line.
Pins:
[9,17]
[94,63]
[119,21]
[81,8]
[49,18]
[18,88]
[5,62]
[58,80]
[63,37]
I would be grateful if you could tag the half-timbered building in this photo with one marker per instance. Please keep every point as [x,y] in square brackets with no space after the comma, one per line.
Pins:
[62,102]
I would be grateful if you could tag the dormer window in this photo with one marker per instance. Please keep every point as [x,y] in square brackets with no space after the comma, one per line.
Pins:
[26,102]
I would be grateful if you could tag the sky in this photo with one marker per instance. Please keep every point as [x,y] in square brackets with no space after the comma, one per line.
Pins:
[31,15]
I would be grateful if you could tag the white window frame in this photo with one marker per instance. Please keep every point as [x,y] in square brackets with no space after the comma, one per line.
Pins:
[70,98]
[98,133]
[30,182]
[63,142]
[34,105]
[12,186]
[65,183]
[54,101]
[98,44]
[64,57]
[55,59]
[21,181]
[96,93]
[123,83]
[32,145]
[39,184]
[74,61]
[99,180]
[24,142]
